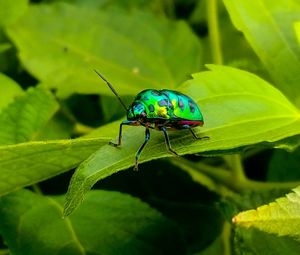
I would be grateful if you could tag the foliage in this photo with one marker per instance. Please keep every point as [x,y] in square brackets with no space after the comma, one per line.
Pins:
[280,217]
[56,115]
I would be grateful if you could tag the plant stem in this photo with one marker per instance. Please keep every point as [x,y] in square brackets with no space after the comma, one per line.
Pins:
[214,33]
[235,163]
[257,185]
[225,177]
[226,238]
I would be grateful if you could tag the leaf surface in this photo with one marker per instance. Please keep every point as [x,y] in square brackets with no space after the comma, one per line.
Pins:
[134,51]
[9,90]
[281,217]
[297,30]
[10,11]
[22,120]
[239,109]
[28,163]
[253,241]
[108,223]
[268,27]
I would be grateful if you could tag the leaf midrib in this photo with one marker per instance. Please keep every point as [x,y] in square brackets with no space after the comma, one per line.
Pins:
[69,225]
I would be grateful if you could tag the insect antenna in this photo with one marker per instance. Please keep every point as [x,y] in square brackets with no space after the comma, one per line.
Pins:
[112,89]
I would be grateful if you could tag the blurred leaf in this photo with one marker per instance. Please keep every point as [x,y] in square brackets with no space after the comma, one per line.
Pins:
[112,109]
[157,6]
[9,90]
[10,11]
[134,51]
[4,47]
[244,111]
[8,59]
[297,31]
[22,120]
[284,166]
[107,223]
[28,163]
[59,127]
[268,27]
[280,217]
[252,241]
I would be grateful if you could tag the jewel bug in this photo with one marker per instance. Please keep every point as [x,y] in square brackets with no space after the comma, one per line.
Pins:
[161,110]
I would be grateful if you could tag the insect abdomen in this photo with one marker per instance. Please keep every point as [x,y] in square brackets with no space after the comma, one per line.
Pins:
[183,106]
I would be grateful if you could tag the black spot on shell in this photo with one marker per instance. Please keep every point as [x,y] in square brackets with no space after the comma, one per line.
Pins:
[155,93]
[163,102]
[166,93]
[192,106]
[151,108]
[180,104]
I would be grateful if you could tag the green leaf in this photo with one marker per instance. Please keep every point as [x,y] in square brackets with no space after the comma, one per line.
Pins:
[297,31]
[59,127]
[136,49]
[239,108]
[9,90]
[107,223]
[22,119]
[268,27]
[28,163]
[253,241]
[156,6]
[4,47]
[281,217]
[10,11]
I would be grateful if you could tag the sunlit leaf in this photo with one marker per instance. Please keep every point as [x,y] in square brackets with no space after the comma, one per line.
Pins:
[22,119]
[281,217]
[10,11]
[28,163]
[253,241]
[297,31]
[134,51]
[244,111]
[268,27]
[9,90]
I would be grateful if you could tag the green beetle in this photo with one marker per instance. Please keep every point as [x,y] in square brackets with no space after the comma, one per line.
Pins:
[161,110]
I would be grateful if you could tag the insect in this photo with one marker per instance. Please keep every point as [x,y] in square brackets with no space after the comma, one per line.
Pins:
[162,110]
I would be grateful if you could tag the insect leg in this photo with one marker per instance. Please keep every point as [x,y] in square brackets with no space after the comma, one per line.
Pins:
[137,155]
[168,141]
[125,122]
[196,137]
